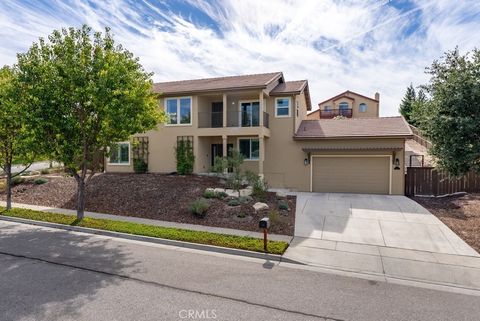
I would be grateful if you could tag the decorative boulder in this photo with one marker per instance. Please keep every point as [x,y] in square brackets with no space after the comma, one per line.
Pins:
[260,206]
[209,190]
[246,192]
[231,193]
[281,194]
[219,190]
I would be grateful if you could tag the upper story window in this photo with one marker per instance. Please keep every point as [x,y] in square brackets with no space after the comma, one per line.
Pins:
[362,107]
[179,111]
[282,107]
[343,106]
[119,154]
[250,114]
[327,108]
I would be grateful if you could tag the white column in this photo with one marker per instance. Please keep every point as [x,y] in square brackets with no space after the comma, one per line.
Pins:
[224,150]
[225,110]
[261,155]
[260,102]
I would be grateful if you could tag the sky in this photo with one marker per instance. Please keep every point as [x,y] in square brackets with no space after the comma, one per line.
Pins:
[363,46]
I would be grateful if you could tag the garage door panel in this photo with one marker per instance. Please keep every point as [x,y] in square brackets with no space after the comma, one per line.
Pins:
[351,174]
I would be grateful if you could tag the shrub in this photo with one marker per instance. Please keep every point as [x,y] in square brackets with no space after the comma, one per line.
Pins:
[40,181]
[245,199]
[283,205]
[259,186]
[17,180]
[185,157]
[209,194]
[274,217]
[45,171]
[221,195]
[233,202]
[199,207]
[140,166]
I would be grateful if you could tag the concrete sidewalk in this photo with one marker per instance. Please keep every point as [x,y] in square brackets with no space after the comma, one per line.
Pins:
[193,227]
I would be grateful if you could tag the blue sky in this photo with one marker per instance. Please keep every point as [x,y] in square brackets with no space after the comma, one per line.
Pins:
[365,46]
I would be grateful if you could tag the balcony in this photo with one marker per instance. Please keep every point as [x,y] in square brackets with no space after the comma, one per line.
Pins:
[332,113]
[234,119]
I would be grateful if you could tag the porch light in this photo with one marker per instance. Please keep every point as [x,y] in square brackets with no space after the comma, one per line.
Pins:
[397,164]
[306,161]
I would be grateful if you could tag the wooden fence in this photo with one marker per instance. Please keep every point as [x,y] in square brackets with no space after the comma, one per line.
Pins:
[429,181]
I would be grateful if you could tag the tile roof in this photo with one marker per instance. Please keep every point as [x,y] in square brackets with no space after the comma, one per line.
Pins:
[289,87]
[220,83]
[353,128]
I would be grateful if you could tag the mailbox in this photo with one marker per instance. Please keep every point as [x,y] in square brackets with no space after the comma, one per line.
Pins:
[264,223]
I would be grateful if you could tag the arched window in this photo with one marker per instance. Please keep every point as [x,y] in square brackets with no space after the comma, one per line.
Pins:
[343,106]
[363,107]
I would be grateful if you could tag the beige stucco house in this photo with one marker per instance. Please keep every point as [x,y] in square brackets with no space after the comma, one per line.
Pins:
[265,117]
[347,104]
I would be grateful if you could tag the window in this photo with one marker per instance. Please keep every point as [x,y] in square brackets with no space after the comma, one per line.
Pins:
[363,107]
[249,148]
[179,111]
[327,108]
[250,114]
[282,107]
[343,106]
[119,154]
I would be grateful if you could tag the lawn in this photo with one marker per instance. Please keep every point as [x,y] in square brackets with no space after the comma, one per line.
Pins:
[460,213]
[157,196]
[236,242]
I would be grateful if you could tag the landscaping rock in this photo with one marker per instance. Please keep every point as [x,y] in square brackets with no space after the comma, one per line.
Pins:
[219,190]
[260,206]
[246,192]
[245,199]
[209,190]
[231,193]
[281,194]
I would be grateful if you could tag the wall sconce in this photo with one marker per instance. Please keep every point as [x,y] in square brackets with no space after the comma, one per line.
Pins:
[397,164]
[306,161]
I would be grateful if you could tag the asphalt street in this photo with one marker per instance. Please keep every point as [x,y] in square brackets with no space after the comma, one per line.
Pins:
[50,274]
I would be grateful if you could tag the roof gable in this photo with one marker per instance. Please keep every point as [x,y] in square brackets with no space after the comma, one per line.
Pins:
[345,95]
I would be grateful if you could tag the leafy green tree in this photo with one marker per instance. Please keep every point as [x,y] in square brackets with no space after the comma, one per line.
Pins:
[16,142]
[451,118]
[407,102]
[85,93]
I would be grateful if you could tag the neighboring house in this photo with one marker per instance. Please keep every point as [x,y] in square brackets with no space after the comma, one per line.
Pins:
[347,104]
[264,117]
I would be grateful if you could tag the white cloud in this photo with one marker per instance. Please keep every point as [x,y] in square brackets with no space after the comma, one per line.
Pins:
[364,46]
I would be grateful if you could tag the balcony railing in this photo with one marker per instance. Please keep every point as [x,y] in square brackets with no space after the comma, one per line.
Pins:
[234,119]
[332,113]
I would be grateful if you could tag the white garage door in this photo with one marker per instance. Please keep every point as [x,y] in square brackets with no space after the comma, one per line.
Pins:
[351,174]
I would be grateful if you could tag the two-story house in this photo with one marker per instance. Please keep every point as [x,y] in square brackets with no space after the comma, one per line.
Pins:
[265,118]
[347,104]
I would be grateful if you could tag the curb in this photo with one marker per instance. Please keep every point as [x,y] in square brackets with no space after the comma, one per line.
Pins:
[155,240]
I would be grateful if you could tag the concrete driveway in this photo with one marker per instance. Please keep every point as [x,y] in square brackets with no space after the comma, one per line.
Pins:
[380,234]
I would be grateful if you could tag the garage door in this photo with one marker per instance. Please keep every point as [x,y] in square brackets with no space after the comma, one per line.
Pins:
[352,174]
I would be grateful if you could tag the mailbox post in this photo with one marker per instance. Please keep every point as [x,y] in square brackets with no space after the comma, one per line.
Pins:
[264,224]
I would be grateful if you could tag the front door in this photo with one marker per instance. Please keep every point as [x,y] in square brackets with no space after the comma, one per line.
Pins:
[217,114]
[217,150]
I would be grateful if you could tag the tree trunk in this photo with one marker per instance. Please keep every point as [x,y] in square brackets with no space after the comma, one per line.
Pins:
[80,198]
[8,172]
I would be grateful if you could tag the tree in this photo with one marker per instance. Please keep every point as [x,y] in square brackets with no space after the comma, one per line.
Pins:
[15,140]
[85,94]
[406,104]
[451,118]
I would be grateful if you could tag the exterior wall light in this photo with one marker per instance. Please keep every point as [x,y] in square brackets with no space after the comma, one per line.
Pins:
[397,164]
[306,161]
